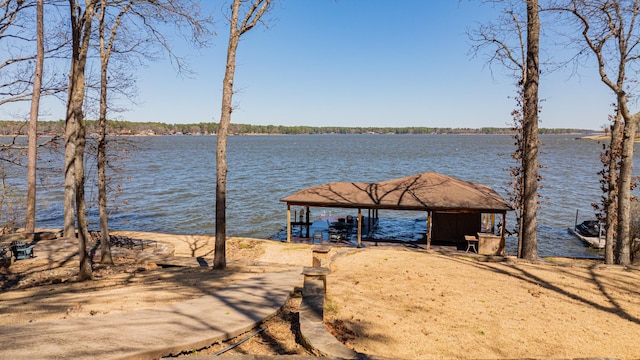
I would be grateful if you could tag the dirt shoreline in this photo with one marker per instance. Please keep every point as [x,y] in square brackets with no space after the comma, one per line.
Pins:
[387,301]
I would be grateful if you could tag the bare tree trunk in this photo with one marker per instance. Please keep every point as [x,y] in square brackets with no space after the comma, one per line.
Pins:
[32,153]
[611,203]
[530,135]
[609,29]
[623,247]
[253,15]
[81,33]
[69,228]
[83,231]
[105,52]
[70,133]
[219,259]
[105,245]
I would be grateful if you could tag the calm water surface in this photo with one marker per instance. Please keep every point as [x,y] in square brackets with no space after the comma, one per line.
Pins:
[168,183]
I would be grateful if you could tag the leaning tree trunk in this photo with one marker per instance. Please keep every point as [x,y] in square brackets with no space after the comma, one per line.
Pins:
[530,135]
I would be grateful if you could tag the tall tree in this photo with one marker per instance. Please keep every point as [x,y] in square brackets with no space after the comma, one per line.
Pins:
[253,14]
[514,43]
[32,153]
[105,55]
[75,140]
[607,210]
[135,33]
[22,78]
[610,30]
[530,135]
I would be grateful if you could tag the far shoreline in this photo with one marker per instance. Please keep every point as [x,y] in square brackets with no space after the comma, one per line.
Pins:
[580,136]
[602,137]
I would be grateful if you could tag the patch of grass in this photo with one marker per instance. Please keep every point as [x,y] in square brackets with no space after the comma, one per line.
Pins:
[297,293]
[330,307]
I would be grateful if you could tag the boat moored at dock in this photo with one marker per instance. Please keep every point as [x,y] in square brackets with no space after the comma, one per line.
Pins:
[591,232]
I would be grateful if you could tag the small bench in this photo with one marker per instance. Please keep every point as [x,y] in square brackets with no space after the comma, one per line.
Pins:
[21,250]
[472,243]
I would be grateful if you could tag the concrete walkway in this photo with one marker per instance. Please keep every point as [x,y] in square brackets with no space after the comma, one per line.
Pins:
[154,333]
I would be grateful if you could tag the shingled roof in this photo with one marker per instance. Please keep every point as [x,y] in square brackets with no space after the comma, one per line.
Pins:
[428,191]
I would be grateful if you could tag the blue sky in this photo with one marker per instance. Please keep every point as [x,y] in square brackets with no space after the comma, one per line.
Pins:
[359,63]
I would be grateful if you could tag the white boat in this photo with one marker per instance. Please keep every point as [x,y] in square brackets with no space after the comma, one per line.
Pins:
[590,232]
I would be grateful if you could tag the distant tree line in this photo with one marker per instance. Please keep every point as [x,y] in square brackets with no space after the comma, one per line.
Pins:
[56,128]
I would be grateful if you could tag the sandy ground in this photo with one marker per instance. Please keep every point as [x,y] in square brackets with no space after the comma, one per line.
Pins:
[415,305]
[385,301]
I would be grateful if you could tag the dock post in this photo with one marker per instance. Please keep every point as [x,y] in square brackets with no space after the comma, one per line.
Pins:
[288,223]
[502,230]
[307,220]
[359,227]
[429,230]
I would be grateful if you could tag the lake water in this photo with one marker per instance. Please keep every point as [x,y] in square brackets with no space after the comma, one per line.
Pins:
[168,183]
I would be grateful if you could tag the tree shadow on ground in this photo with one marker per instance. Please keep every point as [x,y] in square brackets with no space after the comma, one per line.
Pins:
[596,275]
[201,281]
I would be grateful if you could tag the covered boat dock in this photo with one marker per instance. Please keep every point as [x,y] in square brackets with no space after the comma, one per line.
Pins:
[454,207]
